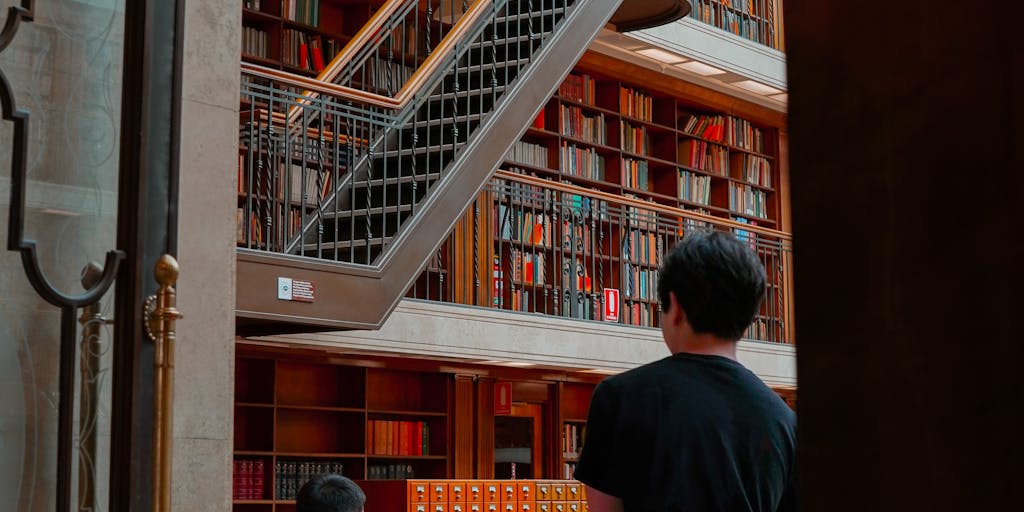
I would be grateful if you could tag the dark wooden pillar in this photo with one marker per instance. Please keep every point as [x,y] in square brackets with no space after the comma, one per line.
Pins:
[906,173]
[485,428]
[463,418]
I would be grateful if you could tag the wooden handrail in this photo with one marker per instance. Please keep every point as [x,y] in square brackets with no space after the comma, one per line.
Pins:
[613,198]
[322,84]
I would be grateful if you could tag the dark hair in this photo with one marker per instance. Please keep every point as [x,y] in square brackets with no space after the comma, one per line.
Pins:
[330,493]
[716,279]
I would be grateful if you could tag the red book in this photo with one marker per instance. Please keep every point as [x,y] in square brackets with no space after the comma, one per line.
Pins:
[538,122]
[417,445]
[395,440]
[318,56]
[380,438]
[403,438]
[303,55]
[244,479]
[256,486]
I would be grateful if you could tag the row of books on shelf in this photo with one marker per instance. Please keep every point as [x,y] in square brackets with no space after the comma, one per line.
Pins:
[585,305]
[407,42]
[387,75]
[583,162]
[635,139]
[639,283]
[248,478]
[521,211]
[635,103]
[699,154]
[635,174]
[754,169]
[390,472]
[743,235]
[302,11]
[518,224]
[528,268]
[695,188]
[307,52]
[253,228]
[579,88]
[305,183]
[759,330]
[744,135]
[573,435]
[748,200]
[640,218]
[730,130]
[254,42]
[581,305]
[576,237]
[747,28]
[291,474]
[252,4]
[641,314]
[640,247]
[393,437]
[528,153]
[742,6]
[578,271]
[591,129]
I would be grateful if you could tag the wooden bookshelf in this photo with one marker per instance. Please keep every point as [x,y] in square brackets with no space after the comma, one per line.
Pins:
[273,30]
[294,419]
[573,405]
[602,133]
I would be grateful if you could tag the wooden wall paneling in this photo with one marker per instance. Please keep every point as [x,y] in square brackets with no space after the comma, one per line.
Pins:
[463,420]
[485,428]
[531,392]
[485,248]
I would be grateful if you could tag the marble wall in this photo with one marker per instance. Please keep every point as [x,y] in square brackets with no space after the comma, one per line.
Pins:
[203,414]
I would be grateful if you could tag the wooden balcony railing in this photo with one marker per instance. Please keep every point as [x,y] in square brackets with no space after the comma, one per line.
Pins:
[538,246]
[757,20]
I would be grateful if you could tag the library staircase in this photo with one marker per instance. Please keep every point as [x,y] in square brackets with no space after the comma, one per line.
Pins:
[349,181]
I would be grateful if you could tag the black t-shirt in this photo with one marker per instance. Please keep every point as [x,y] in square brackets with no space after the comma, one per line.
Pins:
[690,433]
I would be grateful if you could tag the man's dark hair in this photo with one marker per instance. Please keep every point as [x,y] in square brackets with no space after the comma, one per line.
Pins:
[716,279]
[330,493]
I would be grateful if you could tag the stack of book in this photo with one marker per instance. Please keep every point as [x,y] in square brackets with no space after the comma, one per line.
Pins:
[393,437]
[248,476]
[291,474]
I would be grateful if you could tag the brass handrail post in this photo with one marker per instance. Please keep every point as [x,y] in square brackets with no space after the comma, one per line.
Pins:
[161,315]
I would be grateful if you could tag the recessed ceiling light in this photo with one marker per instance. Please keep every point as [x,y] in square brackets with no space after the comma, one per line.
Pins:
[757,87]
[602,372]
[700,68]
[661,55]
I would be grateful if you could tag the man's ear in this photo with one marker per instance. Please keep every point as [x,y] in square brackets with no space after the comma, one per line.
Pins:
[676,314]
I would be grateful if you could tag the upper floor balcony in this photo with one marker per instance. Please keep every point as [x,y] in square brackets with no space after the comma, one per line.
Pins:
[373,181]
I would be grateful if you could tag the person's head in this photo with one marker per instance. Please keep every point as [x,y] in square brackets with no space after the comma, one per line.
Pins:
[710,283]
[330,493]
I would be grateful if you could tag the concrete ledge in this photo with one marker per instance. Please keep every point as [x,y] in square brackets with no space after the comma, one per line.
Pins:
[449,331]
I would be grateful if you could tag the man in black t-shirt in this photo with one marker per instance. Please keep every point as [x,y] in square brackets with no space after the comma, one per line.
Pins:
[695,431]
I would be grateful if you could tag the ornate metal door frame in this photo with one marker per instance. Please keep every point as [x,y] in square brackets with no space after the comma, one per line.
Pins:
[146,229]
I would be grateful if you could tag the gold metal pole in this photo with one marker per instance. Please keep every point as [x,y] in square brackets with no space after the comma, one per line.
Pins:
[161,314]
